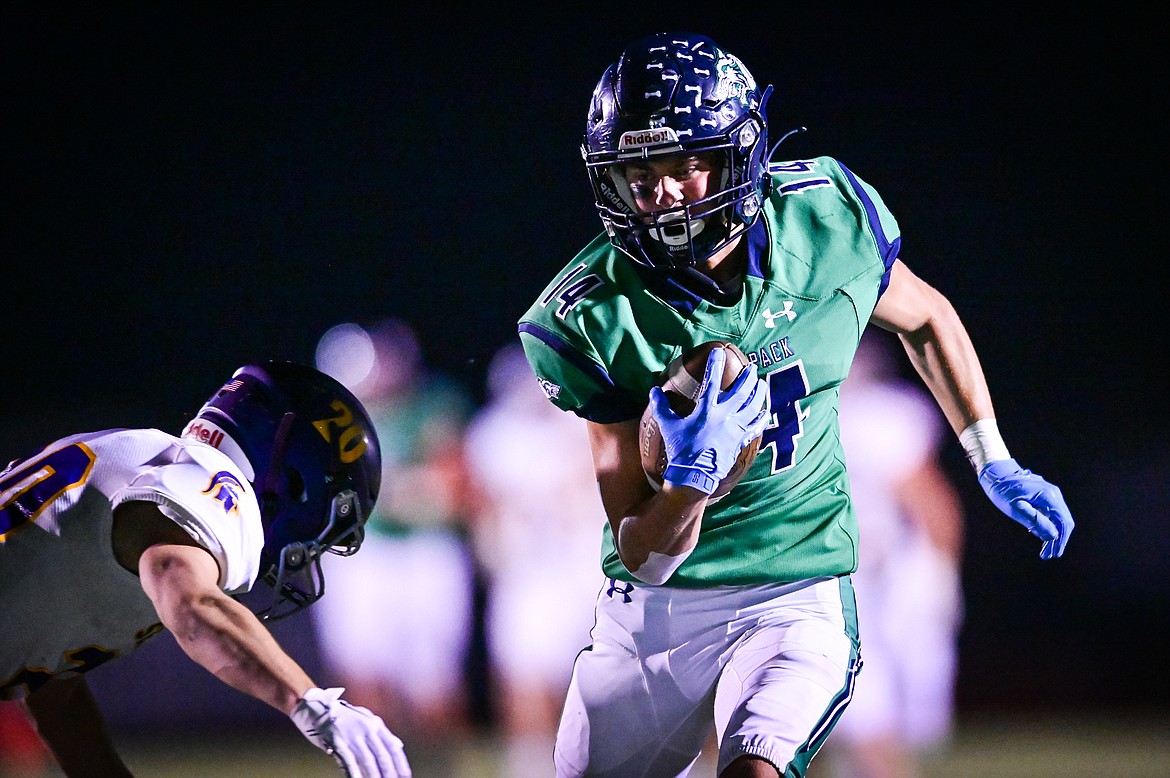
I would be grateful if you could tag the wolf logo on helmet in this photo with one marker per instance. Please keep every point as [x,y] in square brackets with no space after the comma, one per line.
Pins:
[734,80]
[314,460]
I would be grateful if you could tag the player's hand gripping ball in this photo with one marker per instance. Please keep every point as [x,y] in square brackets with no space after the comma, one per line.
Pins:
[681,381]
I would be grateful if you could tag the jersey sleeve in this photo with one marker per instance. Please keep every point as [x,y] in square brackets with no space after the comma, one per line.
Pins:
[570,335]
[833,232]
[574,380]
[880,222]
[203,492]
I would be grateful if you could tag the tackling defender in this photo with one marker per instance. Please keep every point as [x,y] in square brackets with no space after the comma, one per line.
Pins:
[739,612]
[107,538]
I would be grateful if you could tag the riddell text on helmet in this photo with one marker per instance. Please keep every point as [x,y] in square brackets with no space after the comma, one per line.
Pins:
[636,139]
[204,433]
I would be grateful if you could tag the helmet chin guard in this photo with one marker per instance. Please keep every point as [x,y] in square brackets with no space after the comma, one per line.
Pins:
[676,229]
[669,94]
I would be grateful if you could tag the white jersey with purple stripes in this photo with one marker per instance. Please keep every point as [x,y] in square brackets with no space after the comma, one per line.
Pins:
[69,605]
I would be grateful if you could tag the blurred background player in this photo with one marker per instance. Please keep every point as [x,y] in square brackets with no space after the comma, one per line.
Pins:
[537,540]
[909,596]
[107,538]
[397,626]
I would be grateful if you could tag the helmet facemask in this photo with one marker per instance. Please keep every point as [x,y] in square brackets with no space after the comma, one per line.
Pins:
[296,579]
[687,234]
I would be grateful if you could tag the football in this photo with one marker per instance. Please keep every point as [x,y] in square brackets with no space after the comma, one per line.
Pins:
[681,380]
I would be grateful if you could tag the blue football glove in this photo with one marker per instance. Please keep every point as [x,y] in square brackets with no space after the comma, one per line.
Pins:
[1031,501]
[702,448]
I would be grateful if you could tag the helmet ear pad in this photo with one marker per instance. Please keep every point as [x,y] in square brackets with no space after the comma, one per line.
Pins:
[287,497]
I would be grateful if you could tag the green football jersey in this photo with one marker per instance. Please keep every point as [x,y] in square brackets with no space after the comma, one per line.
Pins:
[819,258]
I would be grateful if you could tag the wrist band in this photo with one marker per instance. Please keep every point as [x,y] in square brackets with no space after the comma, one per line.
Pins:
[681,475]
[658,568]
[983,443]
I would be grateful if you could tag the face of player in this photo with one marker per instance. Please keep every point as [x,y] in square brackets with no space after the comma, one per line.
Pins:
[668,182]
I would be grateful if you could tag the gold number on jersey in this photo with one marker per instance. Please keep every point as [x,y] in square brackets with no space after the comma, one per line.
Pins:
[28,485]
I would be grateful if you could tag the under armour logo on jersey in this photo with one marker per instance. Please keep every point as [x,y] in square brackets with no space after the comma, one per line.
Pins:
[226,488]
[787,313]
[620,587]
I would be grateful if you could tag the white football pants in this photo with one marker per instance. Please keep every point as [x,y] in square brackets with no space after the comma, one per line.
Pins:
[771,666]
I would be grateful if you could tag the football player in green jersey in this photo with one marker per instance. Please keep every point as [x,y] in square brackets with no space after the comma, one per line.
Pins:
[737,612]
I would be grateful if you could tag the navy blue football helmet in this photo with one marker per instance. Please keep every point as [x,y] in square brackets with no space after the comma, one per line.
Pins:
[314,459]
[675,93]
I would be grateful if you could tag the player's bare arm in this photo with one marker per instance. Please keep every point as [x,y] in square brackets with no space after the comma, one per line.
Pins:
[643,520]
[215,630]
[938,346]
[941,350]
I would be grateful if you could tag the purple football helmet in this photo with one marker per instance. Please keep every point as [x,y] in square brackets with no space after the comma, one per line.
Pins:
[313,457]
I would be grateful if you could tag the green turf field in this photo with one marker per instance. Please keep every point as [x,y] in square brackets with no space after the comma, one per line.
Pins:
[1121,746]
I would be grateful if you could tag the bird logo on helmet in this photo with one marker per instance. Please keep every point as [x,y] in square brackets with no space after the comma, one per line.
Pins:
[312,455]
[674,93]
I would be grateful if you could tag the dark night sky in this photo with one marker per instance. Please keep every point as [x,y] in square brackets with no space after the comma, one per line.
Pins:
[188,189]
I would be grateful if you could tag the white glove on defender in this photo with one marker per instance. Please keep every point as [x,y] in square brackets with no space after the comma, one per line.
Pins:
[355,737]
